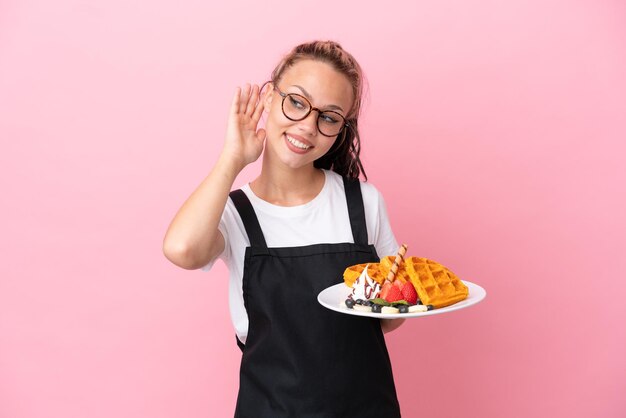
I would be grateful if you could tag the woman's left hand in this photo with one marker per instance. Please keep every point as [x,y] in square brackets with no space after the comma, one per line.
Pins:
[389,325]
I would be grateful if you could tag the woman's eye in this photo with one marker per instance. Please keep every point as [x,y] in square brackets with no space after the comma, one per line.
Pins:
[330,119]
[296,103]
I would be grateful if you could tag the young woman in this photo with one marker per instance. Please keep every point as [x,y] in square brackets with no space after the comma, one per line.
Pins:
[288,235]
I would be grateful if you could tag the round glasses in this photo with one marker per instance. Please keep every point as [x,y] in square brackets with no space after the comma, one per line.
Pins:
[296,107]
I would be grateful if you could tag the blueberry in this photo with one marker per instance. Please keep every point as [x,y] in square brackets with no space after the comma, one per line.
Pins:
[430,307]
[376,308]
[368,303]
[359,301]
[349,303]
[419,302]
[403,308]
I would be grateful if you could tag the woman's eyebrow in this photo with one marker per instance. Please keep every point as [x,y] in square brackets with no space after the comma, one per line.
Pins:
[308,96]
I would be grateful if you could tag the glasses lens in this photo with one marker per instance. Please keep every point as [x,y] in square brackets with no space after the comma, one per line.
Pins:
[296,107]
[330,123]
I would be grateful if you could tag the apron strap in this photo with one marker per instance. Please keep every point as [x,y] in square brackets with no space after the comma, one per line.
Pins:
[356,210]
[249,219]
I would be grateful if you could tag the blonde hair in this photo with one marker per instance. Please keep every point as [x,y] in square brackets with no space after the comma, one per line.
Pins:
[343,156]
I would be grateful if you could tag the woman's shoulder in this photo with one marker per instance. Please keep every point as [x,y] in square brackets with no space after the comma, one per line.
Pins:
[366,186]
[371,194]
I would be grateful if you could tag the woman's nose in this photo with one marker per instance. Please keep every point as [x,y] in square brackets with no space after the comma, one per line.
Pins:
[309,124]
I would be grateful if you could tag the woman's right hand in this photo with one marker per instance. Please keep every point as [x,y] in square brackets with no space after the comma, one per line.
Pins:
[193,238]
[244,143]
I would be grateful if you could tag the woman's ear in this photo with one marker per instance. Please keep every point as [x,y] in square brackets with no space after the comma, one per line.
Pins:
[268,89]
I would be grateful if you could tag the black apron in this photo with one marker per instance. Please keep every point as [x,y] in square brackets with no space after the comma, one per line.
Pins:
[300,359]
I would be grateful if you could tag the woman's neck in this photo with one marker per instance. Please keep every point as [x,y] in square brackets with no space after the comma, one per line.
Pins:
[285,186]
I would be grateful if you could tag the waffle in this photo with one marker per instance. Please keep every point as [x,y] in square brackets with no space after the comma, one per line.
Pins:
[375,271]
[434,283]
[402,274]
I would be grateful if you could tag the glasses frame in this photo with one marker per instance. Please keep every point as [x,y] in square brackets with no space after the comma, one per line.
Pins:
[311,108]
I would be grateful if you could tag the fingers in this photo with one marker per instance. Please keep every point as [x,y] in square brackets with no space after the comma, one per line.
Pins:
[258,111]
[253,100]
[248,102]
[245,97]
[234,107]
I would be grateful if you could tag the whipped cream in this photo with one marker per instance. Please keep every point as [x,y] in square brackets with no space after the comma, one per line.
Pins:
[365,287]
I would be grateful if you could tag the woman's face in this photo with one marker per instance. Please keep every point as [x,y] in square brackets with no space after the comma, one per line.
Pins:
[299,143]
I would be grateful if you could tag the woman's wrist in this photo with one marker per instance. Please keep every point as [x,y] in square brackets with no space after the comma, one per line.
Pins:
[229,166]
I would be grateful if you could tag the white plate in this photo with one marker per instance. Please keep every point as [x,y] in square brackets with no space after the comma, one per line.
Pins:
[334,297]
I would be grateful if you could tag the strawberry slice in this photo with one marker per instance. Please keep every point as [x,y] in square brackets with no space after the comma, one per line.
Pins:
[394,294]
[385,289]
[409,294]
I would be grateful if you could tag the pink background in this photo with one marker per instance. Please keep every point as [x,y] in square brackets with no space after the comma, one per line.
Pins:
[491,128]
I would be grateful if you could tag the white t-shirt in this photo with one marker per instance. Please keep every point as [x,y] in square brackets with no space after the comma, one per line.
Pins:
[324,219]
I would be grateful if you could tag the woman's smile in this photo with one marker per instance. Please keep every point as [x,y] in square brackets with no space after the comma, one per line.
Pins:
[298,144]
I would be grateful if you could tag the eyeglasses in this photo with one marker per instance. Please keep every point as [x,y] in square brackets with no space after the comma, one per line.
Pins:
[296,107]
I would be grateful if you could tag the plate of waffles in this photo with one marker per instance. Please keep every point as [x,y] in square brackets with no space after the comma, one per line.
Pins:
[334,298]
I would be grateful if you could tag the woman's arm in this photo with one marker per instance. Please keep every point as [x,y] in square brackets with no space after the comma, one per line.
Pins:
[193,239]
